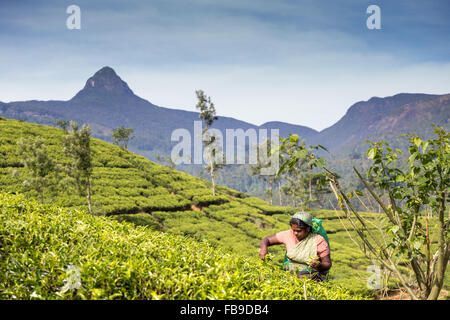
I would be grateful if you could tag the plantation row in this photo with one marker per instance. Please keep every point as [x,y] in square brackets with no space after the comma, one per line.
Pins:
[54,253]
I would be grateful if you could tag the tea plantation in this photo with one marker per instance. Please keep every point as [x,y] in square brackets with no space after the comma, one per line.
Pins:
[182,229]
[41,244]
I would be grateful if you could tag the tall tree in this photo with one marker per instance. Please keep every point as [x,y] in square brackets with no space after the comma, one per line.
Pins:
[34,157]
[208,115]
[121,136]
[77,146]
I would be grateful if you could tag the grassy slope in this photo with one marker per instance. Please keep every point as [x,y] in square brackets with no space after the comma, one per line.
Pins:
[132,188]
[38,244]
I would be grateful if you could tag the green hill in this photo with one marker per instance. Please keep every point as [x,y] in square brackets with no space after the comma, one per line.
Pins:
[128,187]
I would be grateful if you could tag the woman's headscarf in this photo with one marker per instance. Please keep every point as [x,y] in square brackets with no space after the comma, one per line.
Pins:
[314,223]
[305,217]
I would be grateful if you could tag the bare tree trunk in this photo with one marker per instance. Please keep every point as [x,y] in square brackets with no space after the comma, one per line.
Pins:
[89,195]
[211,172]
[427,230]
[310,190]
[438,279]
[370,201]
[279,193]
[271,190]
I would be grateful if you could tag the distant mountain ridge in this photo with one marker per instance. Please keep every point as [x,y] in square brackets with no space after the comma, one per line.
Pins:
[401,113]
[106,102]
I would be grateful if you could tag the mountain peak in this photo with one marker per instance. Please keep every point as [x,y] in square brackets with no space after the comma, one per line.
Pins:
[106,72]
[105,82]
[107,79]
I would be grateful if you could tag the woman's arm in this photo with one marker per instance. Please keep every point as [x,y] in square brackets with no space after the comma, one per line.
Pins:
[265,243]
[323,265]
[323,251]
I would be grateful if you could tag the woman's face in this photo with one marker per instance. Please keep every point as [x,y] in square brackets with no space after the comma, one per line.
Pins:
[299,233]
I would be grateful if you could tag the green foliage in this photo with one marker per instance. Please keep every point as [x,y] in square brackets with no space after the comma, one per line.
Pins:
[424,185]
[63,124]
[212,150]
[121,136]
[34,157]
[206,108]
[265,207]
[54,253]
[206,200]
[166,161]
[297,163]
[140,191]
[77,147]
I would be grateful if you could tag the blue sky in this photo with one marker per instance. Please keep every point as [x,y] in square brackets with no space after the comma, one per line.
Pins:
[304,62]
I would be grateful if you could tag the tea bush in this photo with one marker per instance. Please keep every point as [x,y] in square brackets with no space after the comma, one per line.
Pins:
[206,200]
[40,244]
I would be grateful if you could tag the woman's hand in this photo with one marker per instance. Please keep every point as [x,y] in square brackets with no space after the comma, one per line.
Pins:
[262,253]
[315,264]
[321,264]
[265,243]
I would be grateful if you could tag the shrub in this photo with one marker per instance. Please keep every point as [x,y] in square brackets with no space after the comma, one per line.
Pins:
[207,200]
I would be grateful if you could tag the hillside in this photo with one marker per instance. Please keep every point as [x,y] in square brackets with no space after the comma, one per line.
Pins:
[125,183]
[45,249]
[128,187]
